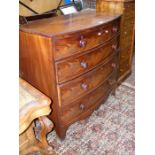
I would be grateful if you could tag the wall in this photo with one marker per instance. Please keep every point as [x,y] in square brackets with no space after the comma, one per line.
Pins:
[39,6]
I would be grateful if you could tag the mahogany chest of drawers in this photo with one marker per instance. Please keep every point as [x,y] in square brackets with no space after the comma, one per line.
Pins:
[73,59]
[127,9]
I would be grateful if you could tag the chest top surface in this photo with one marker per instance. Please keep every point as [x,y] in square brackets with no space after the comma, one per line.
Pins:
[68,23]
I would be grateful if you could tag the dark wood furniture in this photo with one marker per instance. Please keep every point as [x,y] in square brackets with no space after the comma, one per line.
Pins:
[127,9]
[33,123]
[73,59]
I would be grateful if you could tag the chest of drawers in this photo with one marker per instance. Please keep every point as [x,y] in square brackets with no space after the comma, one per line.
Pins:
[72,59]
[127,9]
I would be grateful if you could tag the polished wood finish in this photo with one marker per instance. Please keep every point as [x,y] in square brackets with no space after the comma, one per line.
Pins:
[33,125]
[68,24]
[75,66]
[86,83]
[69,58]
[127,9]
[66,45]
[82,105]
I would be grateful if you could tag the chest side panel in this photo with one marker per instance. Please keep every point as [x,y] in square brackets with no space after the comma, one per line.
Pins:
[36,62]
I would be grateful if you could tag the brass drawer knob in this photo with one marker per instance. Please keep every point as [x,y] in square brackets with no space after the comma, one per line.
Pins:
[82,106]
[84,86]
[114,29]
[83,64]
[83,42]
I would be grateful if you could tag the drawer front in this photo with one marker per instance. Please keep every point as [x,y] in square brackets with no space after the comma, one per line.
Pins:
[67,45]
[129,6]
[126,37]
[73,67]
[126,43]
[80,86]
[124,67]
[71,113]
[129,10]
[125,57]
[125,53]
[127,30]
[127,23]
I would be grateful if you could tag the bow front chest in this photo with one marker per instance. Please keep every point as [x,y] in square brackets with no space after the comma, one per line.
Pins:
[73,59]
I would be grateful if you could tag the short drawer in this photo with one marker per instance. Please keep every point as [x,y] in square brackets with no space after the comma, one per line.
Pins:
[127,23]
[84,84]
[126,38]
[69,44]
[125,53]
[124,66]
[129,6]
[72,112]
[125,45]
[129,10]
[70,68]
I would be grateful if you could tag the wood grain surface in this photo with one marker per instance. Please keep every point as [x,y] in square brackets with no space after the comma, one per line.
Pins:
[70,57]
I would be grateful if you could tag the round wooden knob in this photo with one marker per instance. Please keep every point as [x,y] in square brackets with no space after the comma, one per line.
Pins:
[111,82]
[114,29]
[99,33]
[127,65]
[122,56]
[113,65]
[106,31]
[82,106]
[84,86]
[83,42]
[83,64]
[114,47]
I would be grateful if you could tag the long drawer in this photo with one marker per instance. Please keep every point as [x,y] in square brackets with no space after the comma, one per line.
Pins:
[80,86]
[69,44]
[70,68]
[72,112]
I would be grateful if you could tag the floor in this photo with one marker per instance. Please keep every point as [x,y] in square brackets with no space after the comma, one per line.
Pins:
[108,131]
